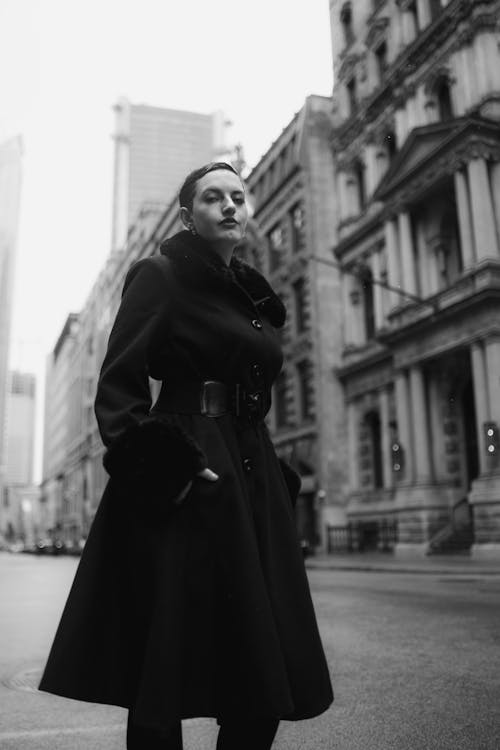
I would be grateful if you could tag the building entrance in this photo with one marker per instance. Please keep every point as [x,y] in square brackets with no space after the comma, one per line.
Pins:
[471,446]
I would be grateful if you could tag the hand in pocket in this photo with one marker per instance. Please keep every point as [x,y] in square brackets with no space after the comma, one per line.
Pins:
[207,474]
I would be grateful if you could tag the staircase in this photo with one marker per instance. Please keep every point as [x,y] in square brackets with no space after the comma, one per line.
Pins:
[457,536]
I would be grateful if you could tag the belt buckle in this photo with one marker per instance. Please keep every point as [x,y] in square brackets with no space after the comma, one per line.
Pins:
[213,398]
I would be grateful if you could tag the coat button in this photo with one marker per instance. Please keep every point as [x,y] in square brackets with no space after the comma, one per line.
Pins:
[256,323]
[256,371]
[247,464]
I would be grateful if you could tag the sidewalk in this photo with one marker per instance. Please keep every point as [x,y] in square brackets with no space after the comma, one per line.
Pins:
[387,563]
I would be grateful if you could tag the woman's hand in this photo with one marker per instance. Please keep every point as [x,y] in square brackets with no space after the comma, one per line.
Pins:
[206,474]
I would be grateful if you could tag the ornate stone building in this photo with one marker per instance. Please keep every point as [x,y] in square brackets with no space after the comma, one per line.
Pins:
[292,189]
[416,143]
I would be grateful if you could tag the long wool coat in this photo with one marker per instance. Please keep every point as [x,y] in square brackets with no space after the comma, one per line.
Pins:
[202,608]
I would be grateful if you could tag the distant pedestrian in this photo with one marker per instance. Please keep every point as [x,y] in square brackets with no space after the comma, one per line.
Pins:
[191,597]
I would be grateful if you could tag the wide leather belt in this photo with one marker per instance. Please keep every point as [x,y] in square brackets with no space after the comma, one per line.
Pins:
[213,398]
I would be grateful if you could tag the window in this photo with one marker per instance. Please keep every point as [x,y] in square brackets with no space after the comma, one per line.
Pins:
[298,290]
[381,57]
[390,144]
[275,247]
[443,98]
[304,380]
[280,393]
[360,180]
[346,21]
[352,96]
[374,434]
[368,303]
[297,224]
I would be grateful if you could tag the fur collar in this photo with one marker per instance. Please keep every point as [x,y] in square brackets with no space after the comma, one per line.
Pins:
[196,261]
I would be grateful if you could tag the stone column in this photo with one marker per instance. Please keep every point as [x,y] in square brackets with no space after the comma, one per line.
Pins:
[386,438]
[464,218]
[480,384]
[404,428]
[342,194]
[378,302]
[409,27]
[495,187]
[408,278]
[483,216]
[393,265]
[423,13]
[420,426]
[352,438]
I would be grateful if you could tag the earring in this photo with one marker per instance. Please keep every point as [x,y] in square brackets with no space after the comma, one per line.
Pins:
[193,230]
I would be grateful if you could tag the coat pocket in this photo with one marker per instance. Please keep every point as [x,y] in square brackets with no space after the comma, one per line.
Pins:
[152,461]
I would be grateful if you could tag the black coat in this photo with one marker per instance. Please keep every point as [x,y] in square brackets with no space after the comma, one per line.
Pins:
[201,609]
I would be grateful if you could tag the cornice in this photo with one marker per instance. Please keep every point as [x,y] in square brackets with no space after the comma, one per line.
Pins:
[368,227]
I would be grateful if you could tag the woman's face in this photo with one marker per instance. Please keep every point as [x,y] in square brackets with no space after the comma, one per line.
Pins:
[219,212]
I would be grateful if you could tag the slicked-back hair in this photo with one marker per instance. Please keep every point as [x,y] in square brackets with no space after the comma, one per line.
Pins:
[188,189]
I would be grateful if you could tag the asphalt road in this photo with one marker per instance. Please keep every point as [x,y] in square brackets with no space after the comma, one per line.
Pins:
[415,664]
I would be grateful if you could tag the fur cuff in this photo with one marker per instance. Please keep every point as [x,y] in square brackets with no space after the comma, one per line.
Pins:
[292,479]
[154,460]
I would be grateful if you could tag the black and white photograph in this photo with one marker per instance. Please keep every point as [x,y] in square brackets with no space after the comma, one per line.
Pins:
[250,375]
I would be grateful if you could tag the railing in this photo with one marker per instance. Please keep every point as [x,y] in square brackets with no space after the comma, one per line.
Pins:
[360,536]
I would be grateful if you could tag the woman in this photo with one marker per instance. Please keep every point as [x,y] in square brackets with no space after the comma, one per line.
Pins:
[191,597]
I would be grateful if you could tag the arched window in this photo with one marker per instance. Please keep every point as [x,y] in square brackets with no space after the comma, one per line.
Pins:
[346,21]
[381,58]
[450,261]
[443,99]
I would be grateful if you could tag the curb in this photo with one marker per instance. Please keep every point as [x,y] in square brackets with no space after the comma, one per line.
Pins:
[413,569]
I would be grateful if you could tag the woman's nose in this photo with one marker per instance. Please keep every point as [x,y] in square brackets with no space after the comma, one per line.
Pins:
[228,206]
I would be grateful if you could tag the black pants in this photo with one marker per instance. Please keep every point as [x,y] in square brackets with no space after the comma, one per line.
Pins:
[236,734]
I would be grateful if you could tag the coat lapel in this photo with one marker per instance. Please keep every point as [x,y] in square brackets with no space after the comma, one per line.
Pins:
[199,264]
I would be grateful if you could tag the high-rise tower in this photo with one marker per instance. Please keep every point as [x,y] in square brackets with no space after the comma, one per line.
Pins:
[10,189]
[154,150]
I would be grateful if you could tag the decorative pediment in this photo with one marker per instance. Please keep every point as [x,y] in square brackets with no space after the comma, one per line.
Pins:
[436,150]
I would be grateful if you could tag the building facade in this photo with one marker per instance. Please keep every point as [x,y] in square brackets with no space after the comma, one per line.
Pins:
[10,191]
[19,504]
[416,145]
[293,194]
[155,148]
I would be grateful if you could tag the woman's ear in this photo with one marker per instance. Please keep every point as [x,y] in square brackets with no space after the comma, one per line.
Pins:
[186,217]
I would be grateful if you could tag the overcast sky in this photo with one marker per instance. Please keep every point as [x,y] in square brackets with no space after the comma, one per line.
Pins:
[64,63]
